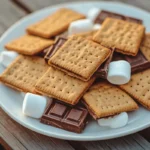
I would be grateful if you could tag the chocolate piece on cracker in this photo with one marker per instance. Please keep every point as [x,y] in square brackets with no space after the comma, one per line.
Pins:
[59,85]
[125,36]
[104,99]
[24,72]
[52,50]
[138,63]
[60,115]
[139,87]
[79,57]
[54,24]
[107,14]
[29,45]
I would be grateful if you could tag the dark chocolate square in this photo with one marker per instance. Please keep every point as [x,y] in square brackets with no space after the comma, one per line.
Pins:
[65,117]
[75,115]
[58,110]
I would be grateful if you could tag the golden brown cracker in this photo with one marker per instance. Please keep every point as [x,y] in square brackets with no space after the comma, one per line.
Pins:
[87,35]
[146,40]
[146,52]
[57,84]
[139,87]
[54,24]
[125,36]
[24,72]
[79,57]
[28,44]
[104,99]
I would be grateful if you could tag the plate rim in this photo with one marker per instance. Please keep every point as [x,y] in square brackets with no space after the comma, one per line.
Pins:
[62,136]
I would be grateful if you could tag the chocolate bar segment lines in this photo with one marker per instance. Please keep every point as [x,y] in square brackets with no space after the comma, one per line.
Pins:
[65,117]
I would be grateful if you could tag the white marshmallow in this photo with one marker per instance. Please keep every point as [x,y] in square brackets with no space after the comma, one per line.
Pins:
[116,121]
[93,13]
[80,26]
[96,26]
[119,72]
[34,105]
[6,57]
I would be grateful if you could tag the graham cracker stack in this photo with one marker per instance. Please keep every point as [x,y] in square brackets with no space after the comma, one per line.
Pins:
[79,57]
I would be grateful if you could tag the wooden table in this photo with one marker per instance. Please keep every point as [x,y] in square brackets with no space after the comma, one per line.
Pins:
[16,137]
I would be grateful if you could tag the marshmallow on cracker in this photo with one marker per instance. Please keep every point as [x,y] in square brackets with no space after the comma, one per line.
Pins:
[116,121]
[6,57]
[119,72]
[96,26]
[80,26]
[34,105]
[93,13]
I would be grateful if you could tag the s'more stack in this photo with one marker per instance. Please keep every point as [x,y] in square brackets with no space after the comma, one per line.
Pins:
[73,66]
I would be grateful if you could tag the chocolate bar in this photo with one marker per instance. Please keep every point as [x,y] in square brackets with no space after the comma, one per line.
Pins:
[138,63]
[53,48]
[44,52]
[104,14]
[65,117]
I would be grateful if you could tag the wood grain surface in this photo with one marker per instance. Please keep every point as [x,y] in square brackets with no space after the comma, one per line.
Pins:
[16,137]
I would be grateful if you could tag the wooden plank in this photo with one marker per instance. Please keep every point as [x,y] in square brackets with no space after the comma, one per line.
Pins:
[9,140]
[37,4]
[9,14]
[16,136]
[131,142]
[146,134]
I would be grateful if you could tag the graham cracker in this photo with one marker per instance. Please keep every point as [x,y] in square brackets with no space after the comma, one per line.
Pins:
[146,40]
[145,46]
[57,84]
[79,57]
[146,52]
[139,87]
[104,99]
[87,35]
[24,72]
[28,44]
[54,24]
[125,36]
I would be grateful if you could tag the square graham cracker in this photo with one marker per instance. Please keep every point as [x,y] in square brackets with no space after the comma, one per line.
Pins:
[79,57]
[146,52]
[125,36]
[139,87]
[146,40]
[59,85]
[24,72]
[104,99]
[145,46]
[28,44]
[54,24]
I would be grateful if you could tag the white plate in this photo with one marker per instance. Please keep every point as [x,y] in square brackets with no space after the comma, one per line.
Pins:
[11,100]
